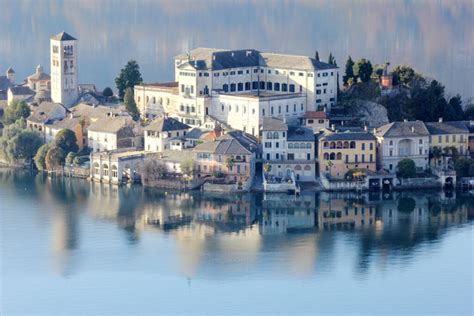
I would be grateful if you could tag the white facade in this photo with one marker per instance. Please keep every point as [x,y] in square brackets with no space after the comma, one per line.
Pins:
[208,78]
[394,149]
[160,141]
[64,69]
[102,141]
[289,150]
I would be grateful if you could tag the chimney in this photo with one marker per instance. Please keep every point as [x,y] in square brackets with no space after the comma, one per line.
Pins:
[440,120]
[232,54]
[342,123]
[248,53]
[333,127]
[365,128]
[413,129]
[405,120]
[214,57]
[374,130]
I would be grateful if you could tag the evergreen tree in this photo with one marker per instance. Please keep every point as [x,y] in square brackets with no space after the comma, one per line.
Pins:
[349,71]
[363,69]
[130,104]
[330,59]
[316,56]
[129,77]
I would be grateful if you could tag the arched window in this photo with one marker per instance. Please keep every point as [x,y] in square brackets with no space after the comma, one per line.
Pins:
[161,101]
[138,99]
[269,85]
[114,171]
[269,135]
[339,144]
[275,135]
[332,145]
[298,167]
[308,145]
[332,156]
[284,87]
[147,99]
[96,168]
[277,86]
[339,156]
[237,109]
[240,86]
[326,144]
[307,167]
[232,87]
[222,107]
[302,145]
[230,107]
[290,145]
[225,87]
[154,100]
[247,86]
[297,145]
[346,145]
[326,156]
[353,144]
[105,168]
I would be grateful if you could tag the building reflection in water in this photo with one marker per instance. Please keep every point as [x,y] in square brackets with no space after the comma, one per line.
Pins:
[217,234]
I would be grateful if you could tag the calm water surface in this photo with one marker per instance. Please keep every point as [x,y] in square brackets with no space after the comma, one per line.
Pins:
[436,37]
[73,247]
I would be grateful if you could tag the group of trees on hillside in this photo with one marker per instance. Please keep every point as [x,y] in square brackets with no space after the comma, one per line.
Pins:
[421,98]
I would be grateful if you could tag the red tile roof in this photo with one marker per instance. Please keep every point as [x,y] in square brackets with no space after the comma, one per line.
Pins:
[315,115]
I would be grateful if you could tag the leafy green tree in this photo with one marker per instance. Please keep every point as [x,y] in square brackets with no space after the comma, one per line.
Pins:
[378,70]
[403,75]
[454,111]
[70,158]
[267,168]
[41,156]
[54,158]
[229,162]
[363,69]
[469,111]
[15,111]
[130,105]
[316,56]
[107,92]
[23,146]
[406,168]
[129,77]
[436,154]
[464,167]
[349,72]
[187,167]
[66,140]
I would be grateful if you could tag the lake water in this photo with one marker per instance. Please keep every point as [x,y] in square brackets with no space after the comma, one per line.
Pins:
[73,247]
[436,37]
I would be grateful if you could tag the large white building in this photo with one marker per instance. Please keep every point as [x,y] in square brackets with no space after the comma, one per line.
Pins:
[240,87]
[403,140]
[64,69]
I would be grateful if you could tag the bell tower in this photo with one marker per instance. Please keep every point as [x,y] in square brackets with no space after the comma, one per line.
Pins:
[64,69]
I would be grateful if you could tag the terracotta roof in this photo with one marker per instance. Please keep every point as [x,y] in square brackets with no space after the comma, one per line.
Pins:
[315,115]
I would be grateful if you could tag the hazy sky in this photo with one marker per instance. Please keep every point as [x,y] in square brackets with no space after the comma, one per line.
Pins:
[436,37]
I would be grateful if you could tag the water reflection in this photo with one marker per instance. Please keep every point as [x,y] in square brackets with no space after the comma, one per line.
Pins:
[437,37]
[218,234]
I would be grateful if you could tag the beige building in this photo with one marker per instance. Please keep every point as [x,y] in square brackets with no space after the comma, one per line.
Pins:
[316,120]
[339,152]
[449,134]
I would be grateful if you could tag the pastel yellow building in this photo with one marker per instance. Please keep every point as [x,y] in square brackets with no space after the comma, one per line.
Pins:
[339,152]
[449,134]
